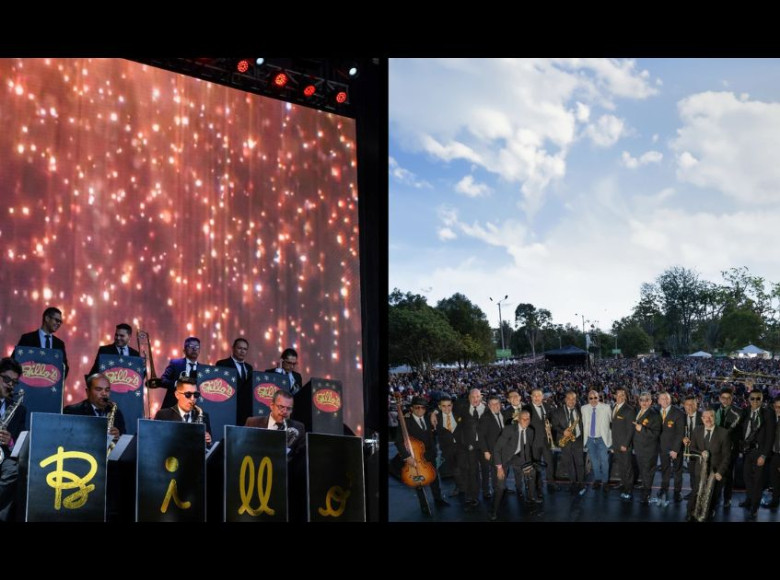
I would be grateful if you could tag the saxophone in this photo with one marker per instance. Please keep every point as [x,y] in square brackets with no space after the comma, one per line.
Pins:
[110,416]
[9,414]
[704,493]
[566,439]
[199,418]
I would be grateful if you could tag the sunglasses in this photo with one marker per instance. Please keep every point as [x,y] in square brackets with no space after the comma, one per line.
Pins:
[593,398]
[9,381]
[190,394]
[755,398]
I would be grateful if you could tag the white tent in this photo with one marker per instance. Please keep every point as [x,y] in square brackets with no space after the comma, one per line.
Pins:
[701,354]
[752,351]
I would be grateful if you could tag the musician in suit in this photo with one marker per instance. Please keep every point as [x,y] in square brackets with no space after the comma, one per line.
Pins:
[476,469]
[287,363]
[10,371]
[757,437]
[98,404]
[717,442]
[279,418]
[692,420]
[647,427]
[597,438]
[445,428]
[244,369]
[44,337]
[623,431]
[489,428]
[188,364]
[728,417]
[567,421]
[541,412]
[515,450]
[515,406]
[774,464]
[671,448]
[122,334]
[421,429]
[186,396]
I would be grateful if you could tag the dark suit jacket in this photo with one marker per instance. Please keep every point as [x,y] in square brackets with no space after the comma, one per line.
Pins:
[696,424]
[467,424]
[447,440]
[85,408]
[32,339]
[172,372]
[732,419]
[243,392]
[172,414]
[298,445]
[623,427]
[507,444]
[298,381]
[672,430]
[538,424]
[489,431]
[509,414]
[16,425]
[560,421]
[108,349]
[764,435]
[719,447]
[646,441]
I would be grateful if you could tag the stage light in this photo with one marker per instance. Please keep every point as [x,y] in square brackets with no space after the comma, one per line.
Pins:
[259,61]
[341,97]
[280,80]
[353,71]
[242,66]
[309,90]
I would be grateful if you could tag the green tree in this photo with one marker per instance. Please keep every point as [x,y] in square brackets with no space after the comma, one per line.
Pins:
[468,320]
[633,340]
[531,321]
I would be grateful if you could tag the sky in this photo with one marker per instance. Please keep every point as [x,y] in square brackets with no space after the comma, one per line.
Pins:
[567,183]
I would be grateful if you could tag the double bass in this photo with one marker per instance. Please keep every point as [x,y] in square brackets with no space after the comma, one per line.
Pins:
[424,473]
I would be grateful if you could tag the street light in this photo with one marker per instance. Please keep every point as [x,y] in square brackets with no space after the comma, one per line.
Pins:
[500,320]
[584,337]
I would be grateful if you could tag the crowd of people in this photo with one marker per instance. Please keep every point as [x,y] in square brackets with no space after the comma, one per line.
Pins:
[623,420]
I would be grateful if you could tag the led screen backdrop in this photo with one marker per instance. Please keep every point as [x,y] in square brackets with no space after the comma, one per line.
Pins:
[132,194]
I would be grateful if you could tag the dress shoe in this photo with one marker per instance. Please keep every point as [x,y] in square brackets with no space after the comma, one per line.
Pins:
[493,516]
[753,514]
[688,496]
[583,489]
[487,496]
[677,497]
[538,499]
[426,511]
[727,504]
[745,503]
[645,500]
[472,502]
[626,496]
[441,502]
[454,493]
[510,491]
[596,485]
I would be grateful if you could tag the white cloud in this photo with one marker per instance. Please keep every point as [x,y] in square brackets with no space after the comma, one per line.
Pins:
[515,118]
[729,145]
[404,175]
[469,187]
[644,159]
[606,131]
[446,234]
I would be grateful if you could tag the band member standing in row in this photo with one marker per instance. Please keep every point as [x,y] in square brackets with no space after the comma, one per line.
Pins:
[515,406]
[515,450]
[774,466]
[541,412]
[567,421]
[244,373]
[476,468]
[420,427]
[120,346]
[10,371]
[186,395]
[489,428]
[692,420]
[98,404]
[287,363]
[623,431]
[671,448]
[445,427]
[648,431]
[596,419]
[188,365]
[51,321]
[716,441]
[758,434]
[729,418]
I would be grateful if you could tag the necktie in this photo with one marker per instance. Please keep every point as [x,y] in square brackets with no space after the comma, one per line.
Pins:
[663,415]
[421,422]
[690,424]
[191,371]
[615,411]
[48,341]
[707,439]
[498,420]
[280,426]
[186,417]
[593,423]
[448,422]
[475,414]
[242,372]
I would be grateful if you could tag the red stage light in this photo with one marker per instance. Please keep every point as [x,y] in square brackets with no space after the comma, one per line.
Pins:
[341,97]
[280,79]
[242,66]
[309,90]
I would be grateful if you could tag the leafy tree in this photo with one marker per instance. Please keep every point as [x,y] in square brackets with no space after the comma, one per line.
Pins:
[468,320]
[531,321]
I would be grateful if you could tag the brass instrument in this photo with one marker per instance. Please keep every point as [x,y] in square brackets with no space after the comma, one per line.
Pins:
[566,439]
[146,352]
[292,435]
[111,415]
[548,430]
[199,418]
[704,493]
[747,378]
[9,414]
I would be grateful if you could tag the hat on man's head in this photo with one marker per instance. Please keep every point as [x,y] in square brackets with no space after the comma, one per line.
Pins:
[419,401]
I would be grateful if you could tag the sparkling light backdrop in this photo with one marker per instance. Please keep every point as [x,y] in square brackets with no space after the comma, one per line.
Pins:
[132,194]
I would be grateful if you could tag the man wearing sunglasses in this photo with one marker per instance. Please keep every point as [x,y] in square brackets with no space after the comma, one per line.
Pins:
[10,371]
[287,363]
[187,365]
[757,436]
[44,336]
[184,410]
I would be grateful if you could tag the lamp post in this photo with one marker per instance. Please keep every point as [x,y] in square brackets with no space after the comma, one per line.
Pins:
[583,330]
[500,320]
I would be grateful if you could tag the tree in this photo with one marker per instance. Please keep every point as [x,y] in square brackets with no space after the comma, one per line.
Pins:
[468,320]
[531,320]
[680,293]
[633,340]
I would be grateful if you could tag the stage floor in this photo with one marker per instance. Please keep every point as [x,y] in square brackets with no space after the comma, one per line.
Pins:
[559,506]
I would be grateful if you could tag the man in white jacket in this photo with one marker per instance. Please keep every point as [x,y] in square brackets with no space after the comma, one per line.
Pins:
[597,431]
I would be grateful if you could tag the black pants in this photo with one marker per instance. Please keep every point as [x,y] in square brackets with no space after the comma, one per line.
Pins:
[774,476]
[728,477]
[484,473]
[671,467]
[573,458]
[471,473]
[544,473]
[646,462]
[624,464]
[9,475]
[754,478]
[515,465]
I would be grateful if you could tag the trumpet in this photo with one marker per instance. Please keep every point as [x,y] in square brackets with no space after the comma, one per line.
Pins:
[146,352]
[548,431]
[746,377]
[9,414]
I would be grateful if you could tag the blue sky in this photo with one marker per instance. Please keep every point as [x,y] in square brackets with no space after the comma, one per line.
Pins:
[567,183]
